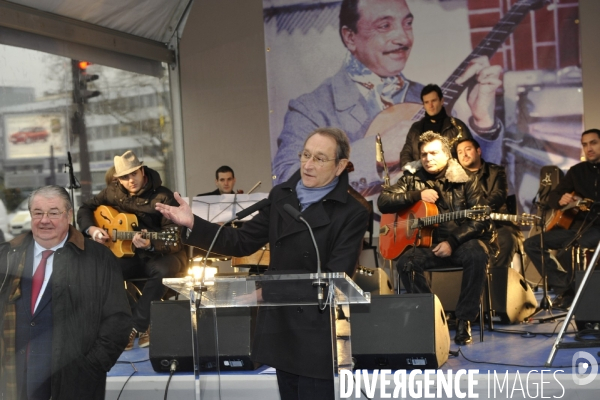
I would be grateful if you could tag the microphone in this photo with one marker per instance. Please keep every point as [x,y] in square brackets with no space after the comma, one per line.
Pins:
[253,208]
[381,159]
[297,215]
[241,215]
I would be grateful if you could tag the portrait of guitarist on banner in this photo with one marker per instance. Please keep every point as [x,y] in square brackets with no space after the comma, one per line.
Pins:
[360,65]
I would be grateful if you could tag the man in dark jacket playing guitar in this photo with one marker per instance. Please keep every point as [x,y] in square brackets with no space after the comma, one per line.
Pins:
[441,180]
[582,181]
[136,191]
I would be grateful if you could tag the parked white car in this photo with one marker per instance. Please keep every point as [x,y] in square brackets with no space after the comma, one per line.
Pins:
[3,221]
[21,221]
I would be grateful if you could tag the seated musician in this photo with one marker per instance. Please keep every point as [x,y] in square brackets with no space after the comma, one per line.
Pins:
[440,179]
[224,180]
[581,181]
[136,191]
[492,179]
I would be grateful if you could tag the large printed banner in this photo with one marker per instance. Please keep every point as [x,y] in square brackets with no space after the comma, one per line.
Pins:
[32,135]
[508,69]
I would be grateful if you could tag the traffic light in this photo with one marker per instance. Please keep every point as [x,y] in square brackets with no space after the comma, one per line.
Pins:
[83,79]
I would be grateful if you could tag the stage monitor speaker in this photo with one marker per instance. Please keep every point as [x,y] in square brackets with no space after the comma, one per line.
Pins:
[587,310]
[406,331]
[171,333]
[512,298]
[373,280]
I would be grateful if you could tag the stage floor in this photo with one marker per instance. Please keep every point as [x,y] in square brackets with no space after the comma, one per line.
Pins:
[510,362]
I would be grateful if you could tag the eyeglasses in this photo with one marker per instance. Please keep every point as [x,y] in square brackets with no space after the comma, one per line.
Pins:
[319,160]
[50,214]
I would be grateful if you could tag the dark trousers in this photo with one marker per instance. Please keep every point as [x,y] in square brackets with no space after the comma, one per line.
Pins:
[155,269]
[509,241]
[560,274]
[297,387]
[472,256]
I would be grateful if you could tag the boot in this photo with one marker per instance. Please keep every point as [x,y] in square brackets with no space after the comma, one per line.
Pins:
[463,333]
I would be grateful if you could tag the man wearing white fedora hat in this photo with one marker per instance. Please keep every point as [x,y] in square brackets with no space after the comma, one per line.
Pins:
[136,191]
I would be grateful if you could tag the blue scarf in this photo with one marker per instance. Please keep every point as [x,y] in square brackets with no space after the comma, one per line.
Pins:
[308,196]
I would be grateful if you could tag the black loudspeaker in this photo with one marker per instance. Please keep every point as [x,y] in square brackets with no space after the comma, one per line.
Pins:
[587,310]
[171,333]
[550,176]
[406,331]
[512,298]
[373,280]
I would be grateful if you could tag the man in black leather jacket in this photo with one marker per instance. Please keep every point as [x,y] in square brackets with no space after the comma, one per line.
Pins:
[492,179]
[441,180]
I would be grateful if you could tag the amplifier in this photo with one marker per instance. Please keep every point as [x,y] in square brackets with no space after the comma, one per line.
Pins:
[406,331]
[171,337]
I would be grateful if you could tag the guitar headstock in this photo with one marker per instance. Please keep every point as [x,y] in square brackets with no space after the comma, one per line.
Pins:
[528,219]
[170,236]
[479,213]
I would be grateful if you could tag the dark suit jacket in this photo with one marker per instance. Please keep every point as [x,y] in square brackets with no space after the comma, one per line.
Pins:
[295,339]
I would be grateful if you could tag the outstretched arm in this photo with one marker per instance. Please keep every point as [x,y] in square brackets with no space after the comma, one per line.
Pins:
[181,215]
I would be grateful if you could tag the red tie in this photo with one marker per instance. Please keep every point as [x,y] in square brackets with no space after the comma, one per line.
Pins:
[38,278]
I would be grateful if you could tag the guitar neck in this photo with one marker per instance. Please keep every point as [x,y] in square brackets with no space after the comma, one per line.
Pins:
[506,217]
[128,235]
[487,47]
[439,218]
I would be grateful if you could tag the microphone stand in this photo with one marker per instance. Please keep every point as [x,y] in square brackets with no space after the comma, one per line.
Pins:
[73,183]
[558,342]
[545,302]
[320,284]
[239,216]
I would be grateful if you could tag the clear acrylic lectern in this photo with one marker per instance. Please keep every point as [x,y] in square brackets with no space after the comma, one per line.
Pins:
[274,290]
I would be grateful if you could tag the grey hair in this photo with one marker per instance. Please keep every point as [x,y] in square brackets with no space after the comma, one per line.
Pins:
[431,136]
[49,192]
[341,140]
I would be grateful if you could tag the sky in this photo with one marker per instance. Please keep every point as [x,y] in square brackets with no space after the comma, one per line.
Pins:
[29,68]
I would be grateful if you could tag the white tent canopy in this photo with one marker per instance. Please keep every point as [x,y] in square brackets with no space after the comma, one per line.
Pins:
[136,35]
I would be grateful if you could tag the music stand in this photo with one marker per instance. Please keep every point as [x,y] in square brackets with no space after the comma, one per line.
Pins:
[222,208]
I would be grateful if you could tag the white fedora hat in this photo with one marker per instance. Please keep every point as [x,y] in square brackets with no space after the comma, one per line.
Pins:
[126,163]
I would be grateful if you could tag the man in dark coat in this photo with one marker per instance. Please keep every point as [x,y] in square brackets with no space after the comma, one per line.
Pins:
[492,179]
[442,181]
[136,191]
[64,316]
[296,340]
[581,181]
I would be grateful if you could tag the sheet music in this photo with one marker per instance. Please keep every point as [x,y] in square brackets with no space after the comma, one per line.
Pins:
[223,208]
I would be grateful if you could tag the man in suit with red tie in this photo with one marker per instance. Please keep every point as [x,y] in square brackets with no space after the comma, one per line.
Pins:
[64,316]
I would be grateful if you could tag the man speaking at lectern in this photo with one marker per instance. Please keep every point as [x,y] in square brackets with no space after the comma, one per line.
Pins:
[296,341]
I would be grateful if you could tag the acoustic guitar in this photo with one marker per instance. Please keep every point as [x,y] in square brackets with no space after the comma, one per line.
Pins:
[397,119]
[122,227]
[399,231]
[564,217]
